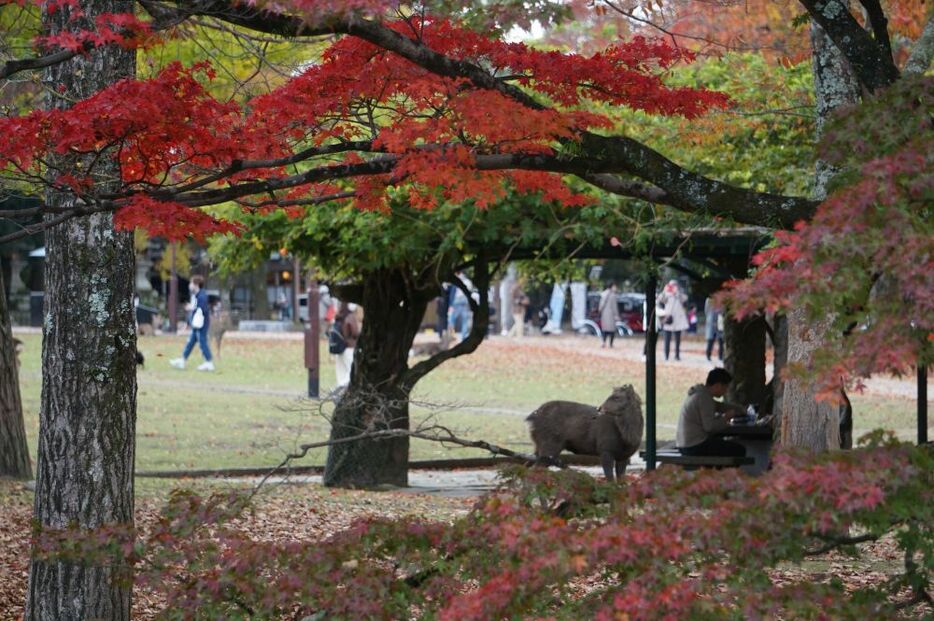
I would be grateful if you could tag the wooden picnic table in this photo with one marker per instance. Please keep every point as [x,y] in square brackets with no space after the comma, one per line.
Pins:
[756,439]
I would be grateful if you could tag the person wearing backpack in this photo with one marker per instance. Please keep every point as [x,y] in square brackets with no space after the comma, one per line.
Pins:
[342,340]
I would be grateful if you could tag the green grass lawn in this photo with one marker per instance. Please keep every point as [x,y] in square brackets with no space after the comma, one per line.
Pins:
[249,412]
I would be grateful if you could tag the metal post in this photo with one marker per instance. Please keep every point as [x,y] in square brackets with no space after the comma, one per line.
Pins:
[312,336]
[173,294]
[296,290]
[922,404]
[650,337]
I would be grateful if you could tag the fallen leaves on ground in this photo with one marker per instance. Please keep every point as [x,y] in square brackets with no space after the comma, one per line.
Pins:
[311,513]
[284,512]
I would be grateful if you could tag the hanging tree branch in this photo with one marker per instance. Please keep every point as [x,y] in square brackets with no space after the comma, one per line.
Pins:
[481,321]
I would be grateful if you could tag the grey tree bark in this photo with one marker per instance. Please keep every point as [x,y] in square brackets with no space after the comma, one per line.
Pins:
[14,453]
[88,407]
[805,421]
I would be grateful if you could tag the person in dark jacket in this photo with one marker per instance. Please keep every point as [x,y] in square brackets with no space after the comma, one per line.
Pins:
[199,318]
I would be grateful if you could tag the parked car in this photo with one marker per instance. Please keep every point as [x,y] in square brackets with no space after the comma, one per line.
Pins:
[631,313]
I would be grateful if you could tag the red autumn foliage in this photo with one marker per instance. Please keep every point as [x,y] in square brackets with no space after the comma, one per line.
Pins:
[667,545]
[169,220]
[171,135]
[867,256]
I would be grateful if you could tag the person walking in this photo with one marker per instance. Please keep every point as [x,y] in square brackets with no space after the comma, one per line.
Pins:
[459,312]
[609,313]
[520,303]
[199,319]
[712,330]
[674,320]
[347,325]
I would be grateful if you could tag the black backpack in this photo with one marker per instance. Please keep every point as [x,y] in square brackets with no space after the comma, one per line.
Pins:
[336,341]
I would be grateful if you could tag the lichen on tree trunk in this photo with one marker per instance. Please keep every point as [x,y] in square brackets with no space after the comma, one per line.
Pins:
[88,406]
[14,452]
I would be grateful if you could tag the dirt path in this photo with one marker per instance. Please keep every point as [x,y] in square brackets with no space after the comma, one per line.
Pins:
[692,357]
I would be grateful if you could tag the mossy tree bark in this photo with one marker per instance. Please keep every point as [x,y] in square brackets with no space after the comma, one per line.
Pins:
[88,405]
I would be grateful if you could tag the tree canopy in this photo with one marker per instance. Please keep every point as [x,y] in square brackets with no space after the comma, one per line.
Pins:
[426,104]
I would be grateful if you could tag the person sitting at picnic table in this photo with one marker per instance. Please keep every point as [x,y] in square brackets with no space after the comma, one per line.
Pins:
[702,416]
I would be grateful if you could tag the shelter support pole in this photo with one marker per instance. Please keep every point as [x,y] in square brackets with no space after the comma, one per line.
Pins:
[651,336]
[922,404]
[312,338]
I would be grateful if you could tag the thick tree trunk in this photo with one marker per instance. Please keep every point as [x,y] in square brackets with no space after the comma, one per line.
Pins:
[14,453]
[805,422]
[378,395]
[744,358]
[88,409]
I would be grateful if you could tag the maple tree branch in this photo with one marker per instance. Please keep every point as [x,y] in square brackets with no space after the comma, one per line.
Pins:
[255,18]
[298,201]
[836,542]
[481,312]
[879,24]
[630,14]
[693,192]
[873,68]
[688,192]
[626,187]
[241,165]
[434,433]
[340,147]
[681,188]
[376,166]
[12,67]
[427,430]
[161,20]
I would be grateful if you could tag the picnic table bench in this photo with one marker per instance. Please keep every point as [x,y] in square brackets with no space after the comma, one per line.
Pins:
[692,462]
